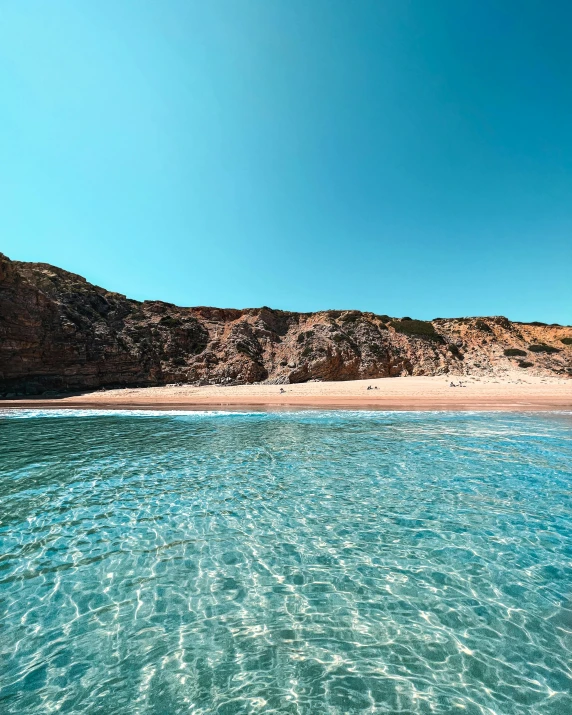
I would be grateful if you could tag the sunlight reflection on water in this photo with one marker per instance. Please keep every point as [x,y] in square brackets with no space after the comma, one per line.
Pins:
[298,562]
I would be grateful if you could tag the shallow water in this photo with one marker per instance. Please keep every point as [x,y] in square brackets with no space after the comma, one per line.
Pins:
[306,562]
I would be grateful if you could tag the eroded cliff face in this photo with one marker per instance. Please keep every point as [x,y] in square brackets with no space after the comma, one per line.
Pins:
[60,333]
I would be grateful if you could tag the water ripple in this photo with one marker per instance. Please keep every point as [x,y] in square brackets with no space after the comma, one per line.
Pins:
[300,562]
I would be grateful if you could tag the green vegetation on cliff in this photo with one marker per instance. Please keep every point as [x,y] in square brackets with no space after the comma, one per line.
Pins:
[416,329]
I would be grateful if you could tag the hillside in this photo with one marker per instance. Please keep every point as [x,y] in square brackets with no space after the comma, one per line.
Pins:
[60,333]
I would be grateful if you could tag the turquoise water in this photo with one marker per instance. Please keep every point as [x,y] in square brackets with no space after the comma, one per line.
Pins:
[306,562]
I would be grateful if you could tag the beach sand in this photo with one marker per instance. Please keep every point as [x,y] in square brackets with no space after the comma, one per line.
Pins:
[513,391]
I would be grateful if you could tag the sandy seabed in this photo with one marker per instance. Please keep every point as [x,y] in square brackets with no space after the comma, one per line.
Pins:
[512,391]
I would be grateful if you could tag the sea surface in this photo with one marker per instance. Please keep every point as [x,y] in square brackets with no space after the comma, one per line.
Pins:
[285,562]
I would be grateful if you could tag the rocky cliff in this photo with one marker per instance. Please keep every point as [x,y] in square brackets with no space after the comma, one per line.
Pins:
[60,333]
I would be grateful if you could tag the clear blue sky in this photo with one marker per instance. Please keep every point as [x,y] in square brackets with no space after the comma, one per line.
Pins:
[409,157]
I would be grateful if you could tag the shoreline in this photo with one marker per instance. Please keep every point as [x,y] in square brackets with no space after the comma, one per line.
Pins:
[291,407]
[508,393]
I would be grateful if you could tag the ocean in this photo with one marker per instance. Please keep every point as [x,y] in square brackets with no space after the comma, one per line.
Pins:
[285,562]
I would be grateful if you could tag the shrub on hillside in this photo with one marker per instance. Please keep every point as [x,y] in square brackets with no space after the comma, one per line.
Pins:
[514,352]
[481,325]
[542,348]
[566,341]
[417,329]
[303,336]
[524,363]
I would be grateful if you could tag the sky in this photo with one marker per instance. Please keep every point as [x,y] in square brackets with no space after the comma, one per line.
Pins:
[396,156]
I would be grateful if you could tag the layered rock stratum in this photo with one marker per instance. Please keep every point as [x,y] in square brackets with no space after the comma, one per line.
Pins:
[59,333]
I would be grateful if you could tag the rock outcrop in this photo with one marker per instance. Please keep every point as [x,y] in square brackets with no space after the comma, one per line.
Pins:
[60,333]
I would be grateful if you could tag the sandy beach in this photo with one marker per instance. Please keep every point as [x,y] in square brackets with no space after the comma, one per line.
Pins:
[512,392]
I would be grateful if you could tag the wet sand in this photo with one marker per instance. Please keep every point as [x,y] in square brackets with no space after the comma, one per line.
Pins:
[511,392]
